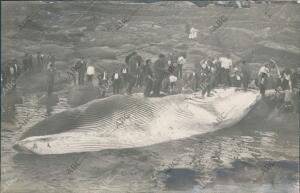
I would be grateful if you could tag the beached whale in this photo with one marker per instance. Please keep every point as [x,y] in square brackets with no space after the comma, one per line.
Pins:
[122,121]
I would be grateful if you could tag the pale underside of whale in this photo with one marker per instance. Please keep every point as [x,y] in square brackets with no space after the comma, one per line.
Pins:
[123,121]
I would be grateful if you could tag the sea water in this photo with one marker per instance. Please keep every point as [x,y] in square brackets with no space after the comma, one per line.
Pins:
[259,154]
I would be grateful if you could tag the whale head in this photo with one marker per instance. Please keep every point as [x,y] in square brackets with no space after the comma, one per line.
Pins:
[32,145]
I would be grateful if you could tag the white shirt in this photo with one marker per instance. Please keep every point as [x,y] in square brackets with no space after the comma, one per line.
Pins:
[116,76]
[181,60]
[124,71]
[265,70]
[287,76]
[173,78]
[90,70]
[193,33]
[12,71]
[104,76]
[225,62]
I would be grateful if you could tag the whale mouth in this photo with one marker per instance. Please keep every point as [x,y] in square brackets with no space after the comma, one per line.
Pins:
[21,149]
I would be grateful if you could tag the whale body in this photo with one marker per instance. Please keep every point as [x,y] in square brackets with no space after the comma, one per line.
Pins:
[123,121]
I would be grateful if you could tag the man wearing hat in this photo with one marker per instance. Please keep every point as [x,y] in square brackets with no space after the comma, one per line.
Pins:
[160,71]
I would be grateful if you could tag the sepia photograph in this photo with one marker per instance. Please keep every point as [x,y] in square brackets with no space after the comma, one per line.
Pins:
[150,96]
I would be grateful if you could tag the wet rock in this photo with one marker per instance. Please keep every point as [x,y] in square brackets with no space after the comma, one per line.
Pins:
[182,47]
[98,52]
[180,179]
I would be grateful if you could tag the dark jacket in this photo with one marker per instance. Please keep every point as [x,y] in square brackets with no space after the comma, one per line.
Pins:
[81,66]
[246,71]
[160,67]
[148,71]
[127,58]
[50,75]
[171,69]
[133,64]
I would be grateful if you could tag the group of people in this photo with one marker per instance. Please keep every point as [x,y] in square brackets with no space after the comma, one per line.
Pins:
[286,83]
[163,74]
[219,71]
[134,72]
[137,72]
[12,69]
[166,73]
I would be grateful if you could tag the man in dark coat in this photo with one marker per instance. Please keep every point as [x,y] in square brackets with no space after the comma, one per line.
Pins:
[116,80]
[40,58]
[51,59]
[128,57]
[81,69]
[50,79]
[205,79]
[124,77]
[246,73]
[133,65]
[160,71]
[30,63]
[140,76]
[25,62]
[149,78]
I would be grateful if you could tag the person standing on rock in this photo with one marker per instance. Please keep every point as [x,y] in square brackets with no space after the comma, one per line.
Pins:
[90,72]
[160,71]
[116,82]
[149,78]
[81,69]
[263,74]
[133,64]
[50,79]
[236,78]
[205,77]
[217,74]
[128,57]
[172,77]
[246,74]
[25,62]
[102,83]
[124,75]
[51,60]
[180,64]
[30,63]
[16,68]
[40,58]
[226,65]
[140,76]
[13,75]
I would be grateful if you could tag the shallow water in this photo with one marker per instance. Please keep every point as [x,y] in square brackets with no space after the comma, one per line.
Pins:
[260,154]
